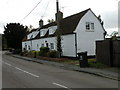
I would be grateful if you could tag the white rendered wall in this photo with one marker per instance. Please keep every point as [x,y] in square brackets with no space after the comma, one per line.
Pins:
[68,45]
[36,44]
[86,40]
[28,43]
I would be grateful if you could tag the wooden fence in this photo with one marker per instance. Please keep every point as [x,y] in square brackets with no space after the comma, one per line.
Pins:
[108,52]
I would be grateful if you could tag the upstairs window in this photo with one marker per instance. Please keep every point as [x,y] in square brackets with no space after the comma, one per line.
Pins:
[92,26]
[89,26]
[52,30]
[41,33]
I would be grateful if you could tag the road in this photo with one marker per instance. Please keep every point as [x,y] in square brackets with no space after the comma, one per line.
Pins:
[18,73]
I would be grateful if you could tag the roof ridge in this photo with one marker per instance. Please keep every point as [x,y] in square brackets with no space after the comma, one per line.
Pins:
[77,13]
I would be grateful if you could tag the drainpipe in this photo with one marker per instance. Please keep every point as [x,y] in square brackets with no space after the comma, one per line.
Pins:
[76,44]
[31,41]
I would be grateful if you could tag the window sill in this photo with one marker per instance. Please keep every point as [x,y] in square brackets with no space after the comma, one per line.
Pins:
[89,30]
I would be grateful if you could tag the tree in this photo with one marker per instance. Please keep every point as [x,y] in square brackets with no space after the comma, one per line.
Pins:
[4,42]
[14,34]
[99,18]
[58,43]
[50,21]
[114,35]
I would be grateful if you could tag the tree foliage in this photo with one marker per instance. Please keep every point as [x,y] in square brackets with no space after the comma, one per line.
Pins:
[4,42]
[50,20]
[99,18]
[59,39]
[14,33]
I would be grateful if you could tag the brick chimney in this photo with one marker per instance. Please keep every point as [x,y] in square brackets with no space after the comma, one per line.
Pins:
[59,14]
[40,23]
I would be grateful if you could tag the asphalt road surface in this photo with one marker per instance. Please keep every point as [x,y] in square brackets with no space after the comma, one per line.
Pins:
[18,73]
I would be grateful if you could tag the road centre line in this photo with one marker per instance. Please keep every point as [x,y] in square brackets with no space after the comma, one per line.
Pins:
[27,72]
[60,85]
[20,69]
[7,64]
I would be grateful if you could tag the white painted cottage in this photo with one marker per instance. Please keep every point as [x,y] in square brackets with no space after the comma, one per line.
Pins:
[79,33]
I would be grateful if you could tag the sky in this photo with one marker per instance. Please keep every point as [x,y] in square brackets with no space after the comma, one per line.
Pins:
[14,11]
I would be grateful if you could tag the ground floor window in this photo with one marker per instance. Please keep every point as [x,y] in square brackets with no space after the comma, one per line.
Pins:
[42,45]
[51,45]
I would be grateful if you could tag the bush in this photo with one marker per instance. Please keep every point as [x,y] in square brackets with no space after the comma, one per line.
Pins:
[17,51]
[33,53]
[43,51]
[97,65]
[37,53]
[52,54]
[25,53]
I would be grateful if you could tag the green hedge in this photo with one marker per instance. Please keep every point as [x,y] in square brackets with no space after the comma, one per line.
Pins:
[52,54]
[44,51]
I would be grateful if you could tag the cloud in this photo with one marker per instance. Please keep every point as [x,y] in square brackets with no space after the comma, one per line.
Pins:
[110,19]
[1,27]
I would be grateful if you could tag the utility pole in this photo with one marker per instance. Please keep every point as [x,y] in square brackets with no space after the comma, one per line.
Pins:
[57,3]
[59,16]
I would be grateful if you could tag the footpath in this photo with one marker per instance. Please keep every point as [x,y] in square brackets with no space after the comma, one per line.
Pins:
[111,73]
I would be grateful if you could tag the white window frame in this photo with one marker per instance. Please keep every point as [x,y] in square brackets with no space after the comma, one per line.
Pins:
[42,33]
[90,26]
[52,46]
[87,25]
[42,45]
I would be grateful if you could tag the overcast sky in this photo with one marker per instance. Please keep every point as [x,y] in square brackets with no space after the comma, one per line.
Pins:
[13,11]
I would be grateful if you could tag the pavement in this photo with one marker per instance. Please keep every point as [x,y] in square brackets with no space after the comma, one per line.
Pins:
[111,72]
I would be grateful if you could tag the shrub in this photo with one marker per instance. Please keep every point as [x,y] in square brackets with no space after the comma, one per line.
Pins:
[17,51]
[52,54]
[43,51]
[37,53]
[97,65]
[25,53]
[33,53]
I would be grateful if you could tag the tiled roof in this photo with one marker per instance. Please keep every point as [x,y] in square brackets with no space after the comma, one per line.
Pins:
[48,25]
[67,25]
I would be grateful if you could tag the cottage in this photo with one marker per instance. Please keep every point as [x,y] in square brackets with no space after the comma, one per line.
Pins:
[79,33]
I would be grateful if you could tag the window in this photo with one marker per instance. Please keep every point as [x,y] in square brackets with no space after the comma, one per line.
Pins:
[25,46]
[89,26]
[42,45]
[46,44]
[52,45]
[50,31]
[37,46]
[41,33]
[29,47]
[92,26]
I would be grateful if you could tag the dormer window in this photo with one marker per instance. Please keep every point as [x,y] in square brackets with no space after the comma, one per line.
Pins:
[52,30]
[43,32]
[89,26]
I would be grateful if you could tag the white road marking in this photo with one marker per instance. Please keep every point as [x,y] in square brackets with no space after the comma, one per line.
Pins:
[20,69]
[60,85]
[27,72]
[7,64]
